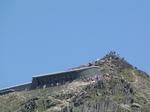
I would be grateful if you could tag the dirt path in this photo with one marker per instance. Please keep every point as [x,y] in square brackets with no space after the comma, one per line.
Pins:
[135,82]
[136,78]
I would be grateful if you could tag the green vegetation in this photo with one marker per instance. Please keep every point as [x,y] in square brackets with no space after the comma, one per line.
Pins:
[119,95]
[40,104]
[39,109]
[127,73]
[95,94]
[147,107]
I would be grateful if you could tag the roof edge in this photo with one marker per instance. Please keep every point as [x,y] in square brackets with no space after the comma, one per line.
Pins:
[15,86]
[66,71]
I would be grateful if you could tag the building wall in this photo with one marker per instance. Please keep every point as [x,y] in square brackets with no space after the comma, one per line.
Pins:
[89,72]
[53,79]
[63,77]
[22,87]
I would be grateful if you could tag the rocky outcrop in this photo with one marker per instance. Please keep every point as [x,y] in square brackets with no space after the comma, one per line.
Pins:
[105,96]
[48,103]
[30,105]
[100,105]
[43,103]
[99,97]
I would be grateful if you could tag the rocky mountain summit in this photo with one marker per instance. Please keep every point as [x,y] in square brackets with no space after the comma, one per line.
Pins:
[120,88]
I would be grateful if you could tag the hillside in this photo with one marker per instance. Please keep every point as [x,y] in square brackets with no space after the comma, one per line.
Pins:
[120,88]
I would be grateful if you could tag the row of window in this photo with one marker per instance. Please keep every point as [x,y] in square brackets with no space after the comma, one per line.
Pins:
[56,79]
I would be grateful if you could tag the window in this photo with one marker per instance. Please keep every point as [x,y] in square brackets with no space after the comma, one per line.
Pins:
[43,82]
[39,82]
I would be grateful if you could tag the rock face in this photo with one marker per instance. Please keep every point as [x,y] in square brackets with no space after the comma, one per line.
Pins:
[30,105]
[114,95]
[100,105]
[104,96]
[126,89]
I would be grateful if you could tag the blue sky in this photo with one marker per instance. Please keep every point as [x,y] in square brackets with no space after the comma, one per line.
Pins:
[44,36]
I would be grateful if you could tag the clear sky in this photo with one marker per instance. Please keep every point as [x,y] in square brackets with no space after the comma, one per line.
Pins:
[44,36]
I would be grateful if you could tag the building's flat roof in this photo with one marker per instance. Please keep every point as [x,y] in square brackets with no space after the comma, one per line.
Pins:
[61,72]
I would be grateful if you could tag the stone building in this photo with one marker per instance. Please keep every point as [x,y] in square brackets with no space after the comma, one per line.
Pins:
[53,79]
[63,76]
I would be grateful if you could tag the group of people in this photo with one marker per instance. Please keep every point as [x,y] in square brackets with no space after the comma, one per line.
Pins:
[93,79]
[112,53]
[86,79]
[53,84]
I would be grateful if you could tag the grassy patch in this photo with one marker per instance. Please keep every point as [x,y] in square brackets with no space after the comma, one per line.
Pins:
[40,103]
[95,94]
[127,73]
[119,95]
[41,109]
[147,108]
